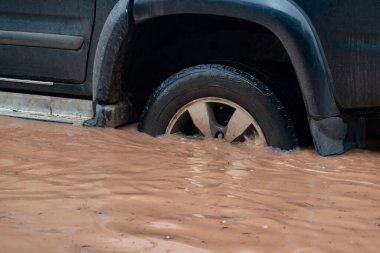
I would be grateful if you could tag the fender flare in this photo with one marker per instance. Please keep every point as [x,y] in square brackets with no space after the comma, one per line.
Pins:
[282,17]
[109,57]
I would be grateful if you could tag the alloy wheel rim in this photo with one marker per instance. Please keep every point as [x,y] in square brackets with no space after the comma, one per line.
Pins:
[213,117]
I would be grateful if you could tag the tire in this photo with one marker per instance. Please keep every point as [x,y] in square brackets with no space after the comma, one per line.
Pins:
[215,83]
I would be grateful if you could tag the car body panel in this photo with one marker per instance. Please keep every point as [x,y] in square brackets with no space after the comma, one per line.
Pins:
[45,40]
[349,31]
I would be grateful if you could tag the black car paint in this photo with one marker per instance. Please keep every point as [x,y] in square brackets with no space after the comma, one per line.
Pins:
[349,31]
[27,29]
[334,58]
[83,89]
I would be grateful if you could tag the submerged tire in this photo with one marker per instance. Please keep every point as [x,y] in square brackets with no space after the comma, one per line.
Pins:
[218,101]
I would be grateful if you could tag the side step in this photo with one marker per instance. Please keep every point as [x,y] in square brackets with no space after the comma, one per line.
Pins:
[57,109]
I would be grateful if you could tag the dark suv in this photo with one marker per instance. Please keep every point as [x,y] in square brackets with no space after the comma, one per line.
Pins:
[270,70]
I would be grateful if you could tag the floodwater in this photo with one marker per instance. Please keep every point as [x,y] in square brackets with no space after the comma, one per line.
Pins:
[67,188]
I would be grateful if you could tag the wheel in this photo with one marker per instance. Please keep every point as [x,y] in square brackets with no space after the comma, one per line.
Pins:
[218,101]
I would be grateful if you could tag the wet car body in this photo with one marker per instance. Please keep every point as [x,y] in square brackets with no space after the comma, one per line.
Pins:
[98,50]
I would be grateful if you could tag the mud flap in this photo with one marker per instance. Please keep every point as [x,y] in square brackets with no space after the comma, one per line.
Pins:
[337,135]
[111,116]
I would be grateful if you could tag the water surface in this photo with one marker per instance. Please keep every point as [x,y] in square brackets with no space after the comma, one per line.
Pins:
[68,188]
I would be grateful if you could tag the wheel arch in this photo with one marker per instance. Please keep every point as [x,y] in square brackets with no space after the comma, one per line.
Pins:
[286,20]
[109,62]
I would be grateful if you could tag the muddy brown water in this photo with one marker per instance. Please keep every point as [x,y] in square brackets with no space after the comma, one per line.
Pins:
[68,188]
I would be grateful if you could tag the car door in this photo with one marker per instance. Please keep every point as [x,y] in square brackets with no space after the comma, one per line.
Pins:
[349,31]
[45,41]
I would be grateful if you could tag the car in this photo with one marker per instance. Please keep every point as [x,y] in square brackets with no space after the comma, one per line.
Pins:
[281,72]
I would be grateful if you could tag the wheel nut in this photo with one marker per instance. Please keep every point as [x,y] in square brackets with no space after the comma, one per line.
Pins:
[220,135]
